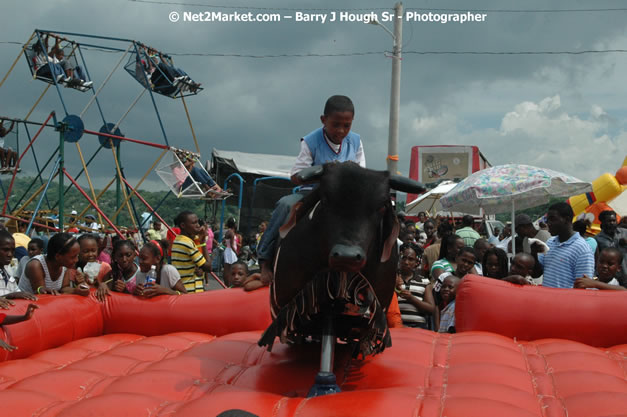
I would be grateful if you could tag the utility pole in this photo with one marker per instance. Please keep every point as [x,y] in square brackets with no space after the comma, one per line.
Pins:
[395,92]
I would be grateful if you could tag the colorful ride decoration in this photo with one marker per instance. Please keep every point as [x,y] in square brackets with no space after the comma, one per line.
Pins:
[605,189]
[197,355]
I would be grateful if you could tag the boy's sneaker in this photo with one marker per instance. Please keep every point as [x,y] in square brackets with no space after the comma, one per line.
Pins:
[60,78]
[177,80]
[86,84]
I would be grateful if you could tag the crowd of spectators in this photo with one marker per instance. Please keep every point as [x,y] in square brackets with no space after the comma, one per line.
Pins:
[434,257]
[564,256]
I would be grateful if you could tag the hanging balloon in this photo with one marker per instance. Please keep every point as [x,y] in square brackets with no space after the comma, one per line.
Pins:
[106,141]
[74,128]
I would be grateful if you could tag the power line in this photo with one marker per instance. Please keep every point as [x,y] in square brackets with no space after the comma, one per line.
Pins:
[366,53]
[406,52]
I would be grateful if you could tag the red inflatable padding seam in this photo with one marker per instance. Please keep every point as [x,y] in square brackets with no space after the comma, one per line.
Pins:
[217,312]
[596,318]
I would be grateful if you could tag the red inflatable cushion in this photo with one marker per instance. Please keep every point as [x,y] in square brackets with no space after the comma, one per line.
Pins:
[596,318]
[425,374]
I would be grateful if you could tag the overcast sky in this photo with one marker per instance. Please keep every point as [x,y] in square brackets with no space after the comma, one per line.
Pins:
[560,111]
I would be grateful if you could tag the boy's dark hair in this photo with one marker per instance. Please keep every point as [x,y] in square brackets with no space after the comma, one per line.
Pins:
[231,223]
[502,259]
[580,227]
[468,220]
[181,217]
[87,236]
[564,210]
[5,235]
[444,229]
[447,242]
[467,249]
[60,244]
[338,104]
[479,242]
[37,242]
[242,263]
[615,251]
[411,245]
[606,213]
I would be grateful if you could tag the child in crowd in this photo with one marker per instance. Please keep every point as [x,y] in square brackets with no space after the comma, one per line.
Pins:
[168,278]
[230,252]
[93,271]
[5,320]
[608,267]
[495,264]
[49,274]
[448,252]
[446,317]
[414,291]
[8,285]
[104,254]
[521,270]
[464,264]
[35,247]
[186,256]
[123,269]
[239,273]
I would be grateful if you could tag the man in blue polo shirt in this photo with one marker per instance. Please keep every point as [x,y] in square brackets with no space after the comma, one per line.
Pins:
[569,256]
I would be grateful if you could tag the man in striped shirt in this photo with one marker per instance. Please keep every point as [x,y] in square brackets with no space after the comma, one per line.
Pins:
[569,256]
[186,257]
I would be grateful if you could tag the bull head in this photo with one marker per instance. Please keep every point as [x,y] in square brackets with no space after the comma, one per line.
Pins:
[348,250]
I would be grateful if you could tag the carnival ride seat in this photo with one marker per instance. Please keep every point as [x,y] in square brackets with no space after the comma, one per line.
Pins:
[183,179]
[160,77]
[45,73]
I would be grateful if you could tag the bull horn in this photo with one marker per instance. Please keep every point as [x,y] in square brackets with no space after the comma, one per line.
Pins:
[406,185]
[310,174]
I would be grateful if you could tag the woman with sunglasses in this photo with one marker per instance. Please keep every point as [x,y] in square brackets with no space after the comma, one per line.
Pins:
[49,274]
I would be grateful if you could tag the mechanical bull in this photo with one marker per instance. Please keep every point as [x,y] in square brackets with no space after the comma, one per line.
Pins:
[335,268]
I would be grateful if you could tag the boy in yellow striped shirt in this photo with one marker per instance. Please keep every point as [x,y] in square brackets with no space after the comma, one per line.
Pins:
[186,256]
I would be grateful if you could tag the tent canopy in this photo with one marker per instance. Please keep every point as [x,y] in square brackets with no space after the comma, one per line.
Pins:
[264,165]
[429,201]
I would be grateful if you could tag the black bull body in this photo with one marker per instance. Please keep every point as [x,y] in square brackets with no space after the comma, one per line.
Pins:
[338,258]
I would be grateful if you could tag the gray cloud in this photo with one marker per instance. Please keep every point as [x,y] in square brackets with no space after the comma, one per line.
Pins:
[265,105]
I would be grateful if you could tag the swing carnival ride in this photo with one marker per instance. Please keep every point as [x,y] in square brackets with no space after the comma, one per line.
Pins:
[65,69]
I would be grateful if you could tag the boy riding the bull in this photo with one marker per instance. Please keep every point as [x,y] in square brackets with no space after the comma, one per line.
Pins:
[333,142]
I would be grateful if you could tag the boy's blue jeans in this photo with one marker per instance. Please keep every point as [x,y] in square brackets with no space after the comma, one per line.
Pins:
[267,244]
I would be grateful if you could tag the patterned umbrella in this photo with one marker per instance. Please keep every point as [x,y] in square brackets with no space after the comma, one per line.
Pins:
[509,187]
[496,188]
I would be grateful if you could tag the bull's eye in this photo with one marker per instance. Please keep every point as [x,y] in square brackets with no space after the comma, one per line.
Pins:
[381,210]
